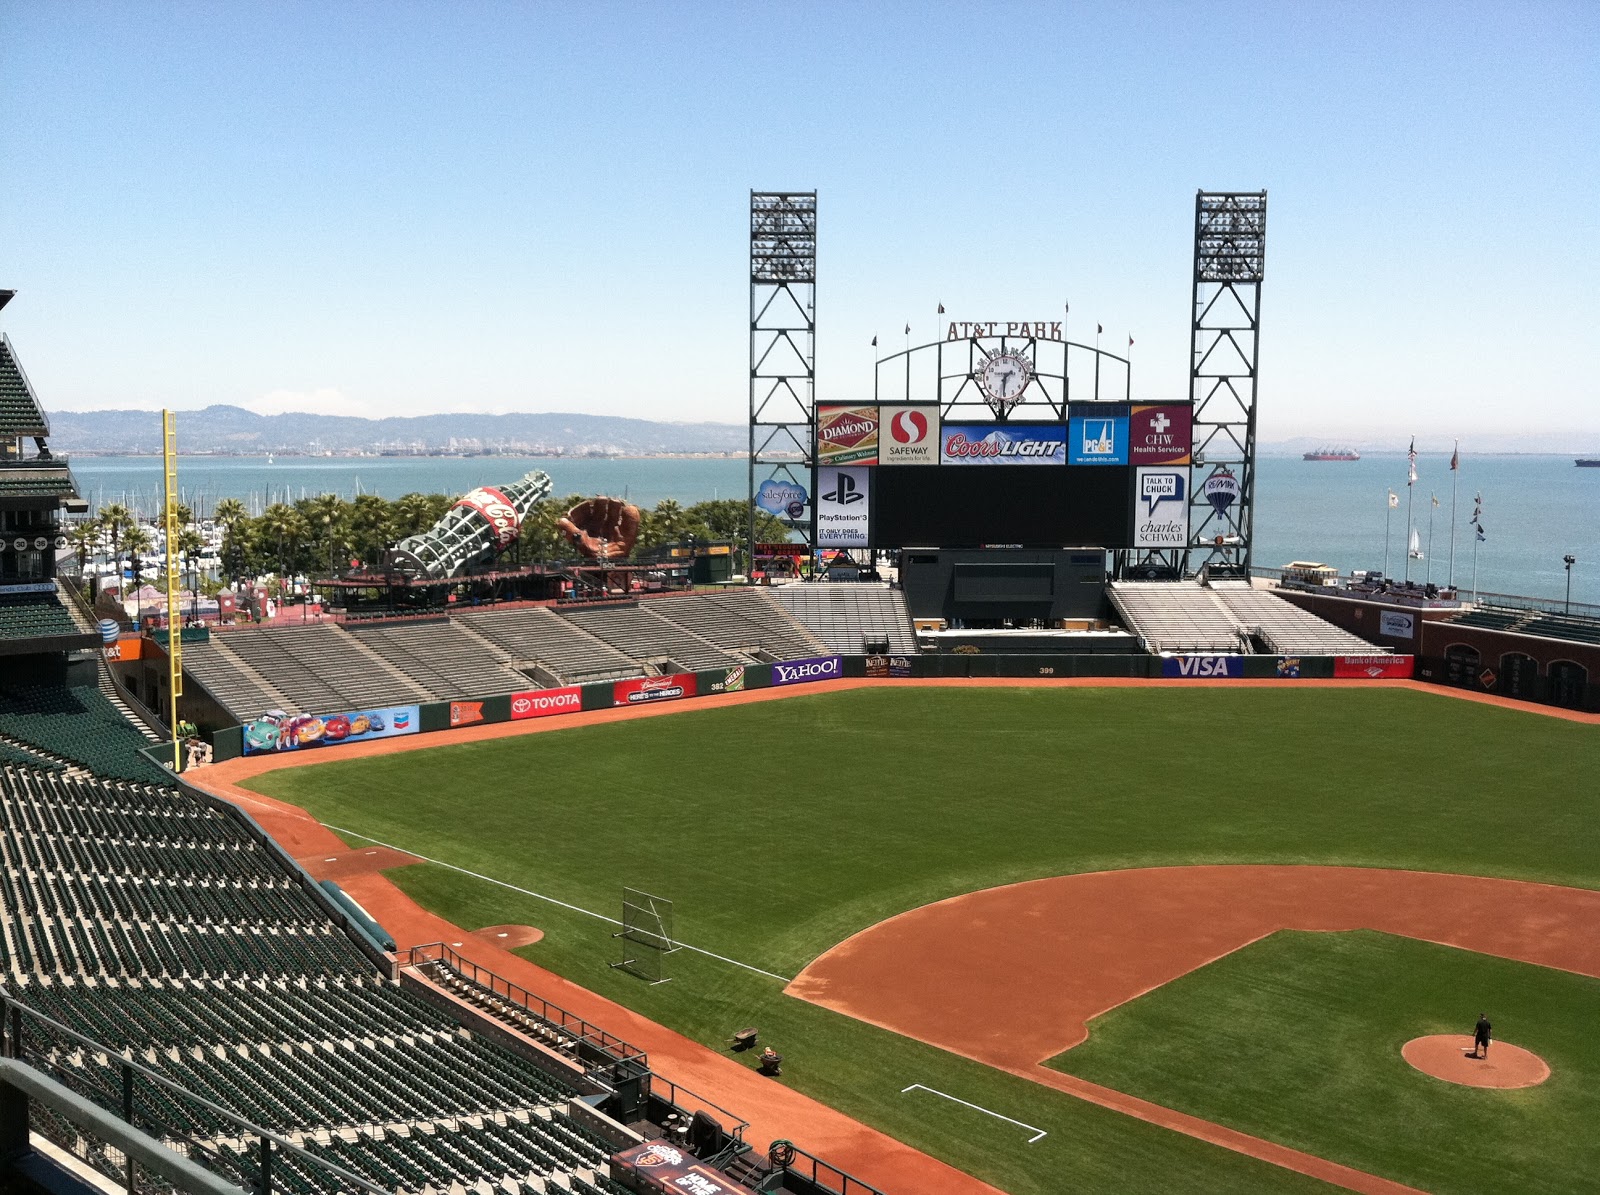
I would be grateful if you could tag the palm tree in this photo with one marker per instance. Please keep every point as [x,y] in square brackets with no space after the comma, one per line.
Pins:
[137,540]
[84,538]
[232,517]
[190,544]
[287,529]
[116,519]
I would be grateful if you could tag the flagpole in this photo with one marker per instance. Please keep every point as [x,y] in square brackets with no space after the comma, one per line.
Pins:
[1388,518]
[1410,488]
[1455,485]
[1427,569]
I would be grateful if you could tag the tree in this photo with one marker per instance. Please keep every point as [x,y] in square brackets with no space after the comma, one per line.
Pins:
[117,520]
[137,541]
[234,520]
[190,544]
[85,539]
[285,529]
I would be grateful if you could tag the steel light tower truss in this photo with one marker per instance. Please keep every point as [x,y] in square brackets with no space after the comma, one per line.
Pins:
[783,336]
[1230,245]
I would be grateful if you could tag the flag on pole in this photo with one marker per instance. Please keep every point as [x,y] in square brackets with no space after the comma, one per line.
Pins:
[1394,500]
[1477,506]
[1455,457]
[874,342]
[1481,535]
[941,308]
[1130,340]
[1411,463]
[1098,329]
[908,329]
[1066,307]
[1435,498]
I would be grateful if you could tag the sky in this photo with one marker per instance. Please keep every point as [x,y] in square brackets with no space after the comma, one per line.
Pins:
[393,208]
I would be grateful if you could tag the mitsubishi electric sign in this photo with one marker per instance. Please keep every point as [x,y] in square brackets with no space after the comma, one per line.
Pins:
[843,506]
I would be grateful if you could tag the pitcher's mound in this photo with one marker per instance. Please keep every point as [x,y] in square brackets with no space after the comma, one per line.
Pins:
[509,937]
[1448,1056]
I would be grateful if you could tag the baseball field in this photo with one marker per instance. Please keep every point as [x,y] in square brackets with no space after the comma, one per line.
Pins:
[1182,933]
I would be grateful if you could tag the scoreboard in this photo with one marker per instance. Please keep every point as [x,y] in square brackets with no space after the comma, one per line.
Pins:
[1110,475]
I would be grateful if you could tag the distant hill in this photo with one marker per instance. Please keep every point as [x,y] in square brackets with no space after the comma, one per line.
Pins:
[234,429]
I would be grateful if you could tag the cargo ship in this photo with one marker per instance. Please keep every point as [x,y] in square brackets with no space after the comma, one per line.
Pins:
[1333,454]
[1586,463]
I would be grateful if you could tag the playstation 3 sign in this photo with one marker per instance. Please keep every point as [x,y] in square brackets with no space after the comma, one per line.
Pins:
[843,506]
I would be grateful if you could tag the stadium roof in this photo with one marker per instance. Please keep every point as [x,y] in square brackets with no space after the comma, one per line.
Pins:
[20,413]
[32,481]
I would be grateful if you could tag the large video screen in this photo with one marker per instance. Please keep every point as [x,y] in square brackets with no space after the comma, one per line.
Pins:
[934,506]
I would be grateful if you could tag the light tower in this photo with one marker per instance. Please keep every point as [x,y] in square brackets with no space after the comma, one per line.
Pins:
[1230,247]
[783,370]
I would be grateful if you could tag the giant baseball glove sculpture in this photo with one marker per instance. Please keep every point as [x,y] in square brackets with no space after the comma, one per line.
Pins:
[602,528]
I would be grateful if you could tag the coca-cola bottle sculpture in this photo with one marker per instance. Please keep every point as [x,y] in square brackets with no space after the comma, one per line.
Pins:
[477,528]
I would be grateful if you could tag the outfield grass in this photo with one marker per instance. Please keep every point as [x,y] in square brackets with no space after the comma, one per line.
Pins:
[1297,1039]
[780,828]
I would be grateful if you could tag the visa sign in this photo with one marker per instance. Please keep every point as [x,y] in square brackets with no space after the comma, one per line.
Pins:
[1202,666]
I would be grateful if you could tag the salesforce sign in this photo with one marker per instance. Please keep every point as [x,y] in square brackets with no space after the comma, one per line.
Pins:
[799,672]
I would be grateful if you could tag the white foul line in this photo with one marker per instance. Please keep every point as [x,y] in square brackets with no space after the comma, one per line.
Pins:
[1037,1132]
[541,896]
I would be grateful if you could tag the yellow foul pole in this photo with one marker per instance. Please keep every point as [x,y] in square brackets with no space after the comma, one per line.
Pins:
[169,458]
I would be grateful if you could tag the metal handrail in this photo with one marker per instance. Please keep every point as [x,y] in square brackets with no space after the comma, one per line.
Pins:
[121,1103]
[675,1099]
[820,1173]
[567,1022]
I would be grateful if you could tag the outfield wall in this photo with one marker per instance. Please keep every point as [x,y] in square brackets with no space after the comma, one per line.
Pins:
[641,691]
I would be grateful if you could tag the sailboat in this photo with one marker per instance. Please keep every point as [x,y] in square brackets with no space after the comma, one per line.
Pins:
[1415,550]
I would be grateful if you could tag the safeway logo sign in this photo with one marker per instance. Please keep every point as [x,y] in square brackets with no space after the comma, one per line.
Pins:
[799,672]
[911,436]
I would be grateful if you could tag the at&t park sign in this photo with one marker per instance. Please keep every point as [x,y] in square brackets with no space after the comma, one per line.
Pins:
[1038,329]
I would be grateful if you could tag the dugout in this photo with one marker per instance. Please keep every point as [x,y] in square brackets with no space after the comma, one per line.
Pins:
[994,587]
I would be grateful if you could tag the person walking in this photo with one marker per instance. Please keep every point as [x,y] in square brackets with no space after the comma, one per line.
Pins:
[1480,1036]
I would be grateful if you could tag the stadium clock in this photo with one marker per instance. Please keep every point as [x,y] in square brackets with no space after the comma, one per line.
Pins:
[1003,378]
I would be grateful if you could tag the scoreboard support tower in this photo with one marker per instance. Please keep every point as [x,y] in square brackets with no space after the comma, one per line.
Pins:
[783,337]
[1230,245]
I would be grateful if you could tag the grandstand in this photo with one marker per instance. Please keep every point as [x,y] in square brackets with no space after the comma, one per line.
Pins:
[152,922]
[1226,616]
[1177,616]
[847,616]
[1284,627]
[325,668]
[1572,628]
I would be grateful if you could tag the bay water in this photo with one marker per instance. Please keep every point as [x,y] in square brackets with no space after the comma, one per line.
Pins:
[1536,508]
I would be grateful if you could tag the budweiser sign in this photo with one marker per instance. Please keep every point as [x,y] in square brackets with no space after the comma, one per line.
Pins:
[497,511]
[653,688]
[847,435]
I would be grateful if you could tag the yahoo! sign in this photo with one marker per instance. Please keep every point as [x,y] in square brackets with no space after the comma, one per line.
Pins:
[799,672]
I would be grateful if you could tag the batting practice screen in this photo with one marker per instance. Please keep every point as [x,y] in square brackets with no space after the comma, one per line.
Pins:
[937,506]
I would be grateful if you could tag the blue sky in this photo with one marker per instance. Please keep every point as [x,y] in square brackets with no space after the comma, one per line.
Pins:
[404,208]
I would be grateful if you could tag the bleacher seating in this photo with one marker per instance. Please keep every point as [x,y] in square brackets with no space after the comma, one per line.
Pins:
[34,616]
[741,620]
[78,723]
[151,922]
[1284,626]
[846,616]
[536,635]
[239,692]
[1177,616]
[1576,628]
[644,636]
[442,657]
